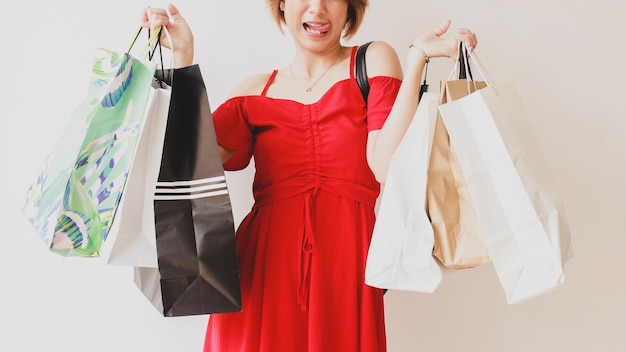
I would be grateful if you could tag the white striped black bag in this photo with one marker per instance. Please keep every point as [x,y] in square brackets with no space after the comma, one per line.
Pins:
[198,270]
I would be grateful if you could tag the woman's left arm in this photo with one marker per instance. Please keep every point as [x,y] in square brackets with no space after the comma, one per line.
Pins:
[382,60]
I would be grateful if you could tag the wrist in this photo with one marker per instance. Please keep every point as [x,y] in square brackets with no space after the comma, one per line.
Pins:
[421,54]
[415,62]
[414,68]
[183,58]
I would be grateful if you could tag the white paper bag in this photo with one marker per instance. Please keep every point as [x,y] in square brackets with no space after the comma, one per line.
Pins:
[400,253]
[511,185]
[132,240]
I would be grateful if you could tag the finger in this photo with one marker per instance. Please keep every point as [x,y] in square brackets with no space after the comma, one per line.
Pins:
[144,15]
[464,33]
[146,18]
[471,41]
[474,40]
[466,36]
[157,17]
[174,13]
[443,27]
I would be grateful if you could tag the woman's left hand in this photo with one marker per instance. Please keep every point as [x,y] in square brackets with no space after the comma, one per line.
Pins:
[432,44]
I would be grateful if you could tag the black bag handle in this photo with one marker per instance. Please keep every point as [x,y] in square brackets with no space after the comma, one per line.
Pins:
[424,86]
[464,63]
[361,73]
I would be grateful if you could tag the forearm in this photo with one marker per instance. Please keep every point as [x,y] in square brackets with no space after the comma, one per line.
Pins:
[387,139]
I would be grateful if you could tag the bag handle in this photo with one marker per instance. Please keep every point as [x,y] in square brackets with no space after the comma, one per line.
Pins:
[462,64]
[361,73]
[474,59]
[464,67]
[154,41]
[424,85]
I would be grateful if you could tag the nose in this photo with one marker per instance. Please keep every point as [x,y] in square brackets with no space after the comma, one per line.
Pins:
[317,6]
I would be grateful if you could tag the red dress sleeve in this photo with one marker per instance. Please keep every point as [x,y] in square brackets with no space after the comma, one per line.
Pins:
[382,95]
[234,133]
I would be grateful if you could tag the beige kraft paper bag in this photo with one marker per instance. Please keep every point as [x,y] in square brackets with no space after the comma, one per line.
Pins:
[459,241]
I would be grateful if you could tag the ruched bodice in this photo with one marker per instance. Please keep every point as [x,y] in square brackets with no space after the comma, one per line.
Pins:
[298,147]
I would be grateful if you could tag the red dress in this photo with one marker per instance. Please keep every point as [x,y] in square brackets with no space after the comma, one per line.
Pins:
[303,246]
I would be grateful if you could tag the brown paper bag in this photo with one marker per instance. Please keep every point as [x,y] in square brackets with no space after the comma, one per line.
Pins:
[459,241]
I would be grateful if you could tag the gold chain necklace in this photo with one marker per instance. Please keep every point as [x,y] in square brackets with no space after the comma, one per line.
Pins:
[310,88]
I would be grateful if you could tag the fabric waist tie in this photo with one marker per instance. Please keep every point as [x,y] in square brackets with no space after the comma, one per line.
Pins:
[308,244]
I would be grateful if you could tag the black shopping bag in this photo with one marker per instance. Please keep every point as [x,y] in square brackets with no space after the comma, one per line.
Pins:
[198,271]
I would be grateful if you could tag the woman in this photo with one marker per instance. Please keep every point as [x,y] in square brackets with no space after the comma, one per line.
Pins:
[320,156]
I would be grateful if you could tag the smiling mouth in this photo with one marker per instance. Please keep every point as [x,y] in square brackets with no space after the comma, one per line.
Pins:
[316,29]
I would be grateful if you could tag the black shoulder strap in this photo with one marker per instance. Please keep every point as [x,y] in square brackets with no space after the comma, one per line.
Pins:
[361,71]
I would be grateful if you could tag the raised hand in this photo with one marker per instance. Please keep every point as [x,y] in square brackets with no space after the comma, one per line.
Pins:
[432,44]
[179,31]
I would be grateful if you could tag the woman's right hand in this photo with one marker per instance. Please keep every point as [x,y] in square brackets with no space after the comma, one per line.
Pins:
[179,31]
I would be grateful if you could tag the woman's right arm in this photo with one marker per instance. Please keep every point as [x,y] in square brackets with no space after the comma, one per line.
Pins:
[179,31]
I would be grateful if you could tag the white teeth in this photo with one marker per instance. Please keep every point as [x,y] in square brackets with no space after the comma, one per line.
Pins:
[311,30]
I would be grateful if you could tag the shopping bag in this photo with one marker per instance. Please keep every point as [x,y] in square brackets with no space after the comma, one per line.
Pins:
[198,270]
[459,242]
[511,185]
[132,239]
[400,253]
[73,200]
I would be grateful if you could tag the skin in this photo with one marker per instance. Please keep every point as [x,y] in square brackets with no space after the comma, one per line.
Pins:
[316,28]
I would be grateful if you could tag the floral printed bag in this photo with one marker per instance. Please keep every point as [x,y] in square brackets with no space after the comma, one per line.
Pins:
[73,200]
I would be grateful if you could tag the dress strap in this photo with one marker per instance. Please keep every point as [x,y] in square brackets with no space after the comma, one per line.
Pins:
[269,82]
[352,57]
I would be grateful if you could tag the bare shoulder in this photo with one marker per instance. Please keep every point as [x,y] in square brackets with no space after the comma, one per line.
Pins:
[382,60]
[252,85]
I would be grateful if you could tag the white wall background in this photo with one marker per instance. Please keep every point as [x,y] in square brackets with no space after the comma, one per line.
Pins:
[566,57]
